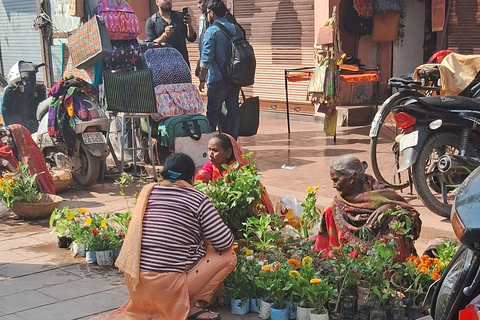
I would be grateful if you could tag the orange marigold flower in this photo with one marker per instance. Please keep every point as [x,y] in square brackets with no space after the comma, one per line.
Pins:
[235,246]
[425,257]
[294,263]
[276,267]
[315,281]
[424,270]
[266,268]
[411,258]
[436,276]
[294,274]
[417,260]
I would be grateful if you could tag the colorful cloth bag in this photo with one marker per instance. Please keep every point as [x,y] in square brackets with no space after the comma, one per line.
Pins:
[126,55]
[92,75]
[167,65]
[121,21]
[89,44]
[177,99]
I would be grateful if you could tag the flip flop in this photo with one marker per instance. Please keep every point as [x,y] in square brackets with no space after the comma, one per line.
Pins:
[195,315]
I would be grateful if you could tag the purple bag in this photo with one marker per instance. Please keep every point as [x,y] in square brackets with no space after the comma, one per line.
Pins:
[126,55]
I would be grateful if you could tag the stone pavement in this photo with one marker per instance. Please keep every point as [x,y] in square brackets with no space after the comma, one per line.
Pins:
[39,281]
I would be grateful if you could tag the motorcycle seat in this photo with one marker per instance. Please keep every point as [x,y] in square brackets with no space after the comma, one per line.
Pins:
[452,102]
[401,82]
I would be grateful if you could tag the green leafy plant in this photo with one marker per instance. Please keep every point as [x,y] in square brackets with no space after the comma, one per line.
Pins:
[299,280]
[236,195]
[238,284]
[319,292]
[262,232]
[273,279]
[19,186]
[310,213]
[60,220]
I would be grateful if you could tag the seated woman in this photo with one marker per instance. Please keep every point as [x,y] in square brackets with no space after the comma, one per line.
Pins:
[224,149]
[359,203]
[177,250]
[20,146]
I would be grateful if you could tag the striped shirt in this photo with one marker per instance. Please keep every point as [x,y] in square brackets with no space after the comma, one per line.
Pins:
[175,223]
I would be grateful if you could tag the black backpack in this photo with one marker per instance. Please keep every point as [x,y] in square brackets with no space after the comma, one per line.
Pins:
[240,67]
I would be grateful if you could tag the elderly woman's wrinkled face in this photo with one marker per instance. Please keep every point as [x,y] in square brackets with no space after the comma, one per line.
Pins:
[342,183]
[217,154]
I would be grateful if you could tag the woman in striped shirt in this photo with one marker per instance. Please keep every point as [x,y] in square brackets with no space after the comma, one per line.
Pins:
[177,251]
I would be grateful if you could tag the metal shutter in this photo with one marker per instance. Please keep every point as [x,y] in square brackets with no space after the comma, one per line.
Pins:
[464,27]
[19,41]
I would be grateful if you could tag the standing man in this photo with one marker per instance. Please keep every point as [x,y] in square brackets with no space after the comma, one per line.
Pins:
[213,59]
[171,27]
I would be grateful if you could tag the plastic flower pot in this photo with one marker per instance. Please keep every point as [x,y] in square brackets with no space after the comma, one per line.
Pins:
[318,316]
[105,258]
[64,242]
[255,305]
[303,313]
[240,307]
[91,256]
[279,314]
[292,309]
[78,249]
[264,310]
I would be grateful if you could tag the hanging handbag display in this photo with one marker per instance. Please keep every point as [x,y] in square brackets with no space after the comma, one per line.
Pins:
[249,115]
[89,44]
[356,24]
[193,126]
[130,92]
[92,75]
[126,56]
[177,99]
[121,21]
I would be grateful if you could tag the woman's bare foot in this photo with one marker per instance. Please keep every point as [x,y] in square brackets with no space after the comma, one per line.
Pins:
[202,314]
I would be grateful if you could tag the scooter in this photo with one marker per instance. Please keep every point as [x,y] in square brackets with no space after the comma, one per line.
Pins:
[439,140]
[460,282]
[24,102]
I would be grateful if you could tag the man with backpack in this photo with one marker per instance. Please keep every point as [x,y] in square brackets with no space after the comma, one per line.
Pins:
[214,59]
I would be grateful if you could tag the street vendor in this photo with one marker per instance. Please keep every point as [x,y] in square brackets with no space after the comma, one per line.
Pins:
[361,202]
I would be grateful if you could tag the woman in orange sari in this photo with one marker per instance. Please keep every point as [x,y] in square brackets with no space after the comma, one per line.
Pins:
[224,149]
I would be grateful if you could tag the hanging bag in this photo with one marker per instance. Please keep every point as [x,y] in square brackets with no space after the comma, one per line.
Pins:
[89,44]
[249,115]
[356,24]
[121,21]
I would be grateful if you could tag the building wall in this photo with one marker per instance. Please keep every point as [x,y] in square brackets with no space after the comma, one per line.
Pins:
[19,40]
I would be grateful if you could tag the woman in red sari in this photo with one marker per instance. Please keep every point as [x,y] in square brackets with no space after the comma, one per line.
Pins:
[21,147]
[359,203]
[224,149]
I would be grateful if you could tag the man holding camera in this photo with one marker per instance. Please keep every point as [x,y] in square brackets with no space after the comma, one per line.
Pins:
[171,27]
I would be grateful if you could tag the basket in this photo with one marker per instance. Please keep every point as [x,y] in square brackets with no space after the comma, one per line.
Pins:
[37,210]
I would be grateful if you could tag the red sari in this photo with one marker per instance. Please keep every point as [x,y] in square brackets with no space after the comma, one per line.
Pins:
[210,172]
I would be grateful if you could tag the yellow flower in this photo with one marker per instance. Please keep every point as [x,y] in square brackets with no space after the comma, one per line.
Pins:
[234,247]
[294,274]
[307,261]
[248,252]
[7,188]
[316,188]
[82,210]
[309,189]
[88,222]
[266,268]
[70,217]
[103,224]
[294,263]
[315,281]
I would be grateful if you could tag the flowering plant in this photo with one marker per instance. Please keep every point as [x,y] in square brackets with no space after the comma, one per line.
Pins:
[273,280]
[300,277]
[19,186]
[238,284]
[319,292]
[310,213]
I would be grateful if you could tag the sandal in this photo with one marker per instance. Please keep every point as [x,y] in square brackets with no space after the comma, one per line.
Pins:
[195,315]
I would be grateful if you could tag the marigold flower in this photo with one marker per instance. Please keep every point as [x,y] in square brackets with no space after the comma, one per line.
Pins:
[266,268]
[95,232]
[7,188]
[88,221]
[436,276]
[294,263]
[309,189]
[249,252]
[103,224]
[234,247]
[105,236]
[82,210]
[276,267]
[70,217]
[315,281]
[294,274]
[307,261]
[425,257]
[410,258]
[316,188]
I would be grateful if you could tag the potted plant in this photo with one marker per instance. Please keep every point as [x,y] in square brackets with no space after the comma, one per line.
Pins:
[318,293]
[262,232]
[78,230]
[300,277]
[59,224]
[237,287]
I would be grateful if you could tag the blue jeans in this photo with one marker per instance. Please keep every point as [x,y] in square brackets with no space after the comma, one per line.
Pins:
[218,92]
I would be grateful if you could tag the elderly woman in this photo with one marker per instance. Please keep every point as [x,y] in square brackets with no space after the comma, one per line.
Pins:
[359,203]
[177,251]
[224,149]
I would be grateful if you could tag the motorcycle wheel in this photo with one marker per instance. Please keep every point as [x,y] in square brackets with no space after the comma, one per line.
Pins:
[89,173]
[385,155]
[431,185]
[448,298]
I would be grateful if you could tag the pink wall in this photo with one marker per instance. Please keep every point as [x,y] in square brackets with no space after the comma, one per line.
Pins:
[142,10]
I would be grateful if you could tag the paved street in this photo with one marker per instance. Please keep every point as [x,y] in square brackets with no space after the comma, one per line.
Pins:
[40,281]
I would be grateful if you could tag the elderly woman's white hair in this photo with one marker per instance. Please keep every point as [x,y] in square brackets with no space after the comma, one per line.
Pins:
[349,166]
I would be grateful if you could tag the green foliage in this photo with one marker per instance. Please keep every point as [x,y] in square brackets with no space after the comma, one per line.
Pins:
[446,251]
[273,279]
[240,283]
[59,222]
[19,186]
[310,213]
[236,194]
[319,292]
[262,232]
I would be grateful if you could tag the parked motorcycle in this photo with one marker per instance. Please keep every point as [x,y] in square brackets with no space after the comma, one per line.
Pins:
[460,281]
[439,140]
[24,102]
